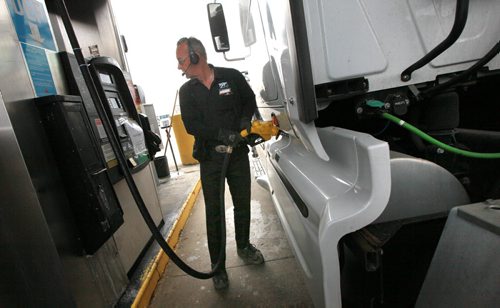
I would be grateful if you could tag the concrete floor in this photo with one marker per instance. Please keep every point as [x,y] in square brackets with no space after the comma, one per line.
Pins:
[278,282]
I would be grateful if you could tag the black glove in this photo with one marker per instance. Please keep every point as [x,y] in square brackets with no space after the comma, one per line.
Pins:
[229,137]
[246,124]
[153,142]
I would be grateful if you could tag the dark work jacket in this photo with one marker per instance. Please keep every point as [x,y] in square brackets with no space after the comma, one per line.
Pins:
[204,111]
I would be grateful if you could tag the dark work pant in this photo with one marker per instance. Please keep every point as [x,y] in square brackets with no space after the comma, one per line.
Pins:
[238,179]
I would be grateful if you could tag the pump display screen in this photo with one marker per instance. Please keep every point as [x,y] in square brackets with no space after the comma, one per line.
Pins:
[105,78]
[114,103]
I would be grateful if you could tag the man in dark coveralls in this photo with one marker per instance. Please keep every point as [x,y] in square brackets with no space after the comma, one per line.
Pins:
[216,104]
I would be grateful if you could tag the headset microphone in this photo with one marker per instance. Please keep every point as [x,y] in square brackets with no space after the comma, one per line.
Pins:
[194,58]
[184,73]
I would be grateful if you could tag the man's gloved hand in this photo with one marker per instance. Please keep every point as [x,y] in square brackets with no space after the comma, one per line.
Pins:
[153,142]
[229,137]
[246,124]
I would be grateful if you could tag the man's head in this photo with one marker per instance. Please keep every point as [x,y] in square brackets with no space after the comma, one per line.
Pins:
[190,53]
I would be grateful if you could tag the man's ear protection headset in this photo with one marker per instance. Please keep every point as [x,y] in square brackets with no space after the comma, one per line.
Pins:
[193,56]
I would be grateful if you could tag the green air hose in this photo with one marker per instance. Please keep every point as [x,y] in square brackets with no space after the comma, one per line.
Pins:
[443,146]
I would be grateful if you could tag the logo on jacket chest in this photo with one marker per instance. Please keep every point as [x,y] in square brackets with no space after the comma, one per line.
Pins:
[224,88]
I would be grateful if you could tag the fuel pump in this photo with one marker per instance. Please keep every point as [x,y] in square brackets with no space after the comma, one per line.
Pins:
[93,201]
[86,159]
[119,109]
[99,86]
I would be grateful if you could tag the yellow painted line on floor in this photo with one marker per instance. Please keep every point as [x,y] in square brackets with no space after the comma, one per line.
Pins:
[157,268]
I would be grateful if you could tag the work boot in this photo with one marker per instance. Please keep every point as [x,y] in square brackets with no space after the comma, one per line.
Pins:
[220,280]
[251,255]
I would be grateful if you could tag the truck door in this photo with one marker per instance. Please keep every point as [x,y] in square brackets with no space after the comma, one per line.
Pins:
[258,48]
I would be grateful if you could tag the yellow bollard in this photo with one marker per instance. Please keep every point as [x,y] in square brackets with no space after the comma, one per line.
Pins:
[184,141]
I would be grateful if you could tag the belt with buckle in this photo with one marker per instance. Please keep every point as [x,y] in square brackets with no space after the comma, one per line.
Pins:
[223,148]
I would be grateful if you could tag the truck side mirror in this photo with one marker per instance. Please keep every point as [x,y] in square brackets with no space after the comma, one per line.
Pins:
[218,27]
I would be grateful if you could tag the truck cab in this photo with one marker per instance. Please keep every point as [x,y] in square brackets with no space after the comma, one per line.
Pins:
[371,209]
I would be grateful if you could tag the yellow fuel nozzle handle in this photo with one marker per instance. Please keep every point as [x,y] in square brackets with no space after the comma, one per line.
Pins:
[264,129]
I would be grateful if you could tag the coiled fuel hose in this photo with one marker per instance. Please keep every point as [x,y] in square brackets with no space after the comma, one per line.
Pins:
[438,143]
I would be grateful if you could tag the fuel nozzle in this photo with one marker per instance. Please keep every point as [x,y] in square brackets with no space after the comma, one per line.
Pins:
[260,131]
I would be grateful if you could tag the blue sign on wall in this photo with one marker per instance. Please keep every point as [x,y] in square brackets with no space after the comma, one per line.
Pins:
[32,26]
[39,69]
[31,22]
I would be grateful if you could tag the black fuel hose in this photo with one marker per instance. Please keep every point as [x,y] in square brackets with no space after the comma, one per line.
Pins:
[461,13]
[463,75]
[98,97]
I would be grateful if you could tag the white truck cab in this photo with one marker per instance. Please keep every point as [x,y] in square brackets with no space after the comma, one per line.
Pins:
[363,201]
